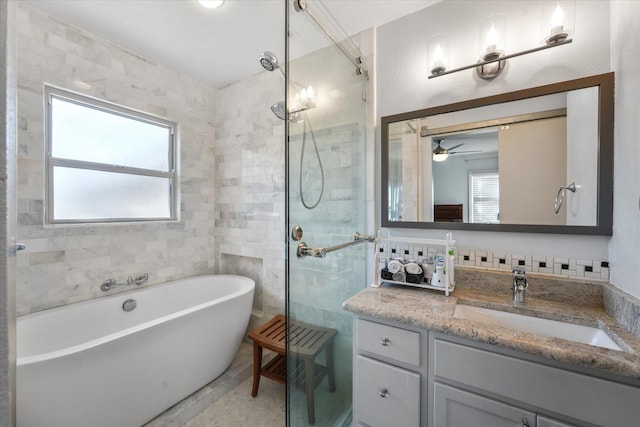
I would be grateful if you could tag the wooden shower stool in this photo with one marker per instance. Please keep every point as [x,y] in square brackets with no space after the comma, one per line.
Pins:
[305,342]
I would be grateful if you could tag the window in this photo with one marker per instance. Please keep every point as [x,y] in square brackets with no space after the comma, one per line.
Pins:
[484,198]
[106,163]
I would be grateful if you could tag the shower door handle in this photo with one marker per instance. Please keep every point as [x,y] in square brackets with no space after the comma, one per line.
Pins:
[304,251]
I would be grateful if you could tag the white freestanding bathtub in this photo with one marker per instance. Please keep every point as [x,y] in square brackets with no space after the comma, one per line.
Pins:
[93,364]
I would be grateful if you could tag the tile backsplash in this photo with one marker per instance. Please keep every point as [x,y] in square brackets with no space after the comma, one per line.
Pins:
[592,270]
[554,266]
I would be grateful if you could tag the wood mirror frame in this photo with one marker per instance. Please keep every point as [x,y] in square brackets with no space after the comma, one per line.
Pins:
[605,83]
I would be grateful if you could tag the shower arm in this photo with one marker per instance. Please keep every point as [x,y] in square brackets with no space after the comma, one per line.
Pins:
[304,251]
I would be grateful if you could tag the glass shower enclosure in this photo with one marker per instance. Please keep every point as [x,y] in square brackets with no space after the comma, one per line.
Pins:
[326,165]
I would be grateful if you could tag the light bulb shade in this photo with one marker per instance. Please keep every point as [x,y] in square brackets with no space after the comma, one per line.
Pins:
[557,20]
[440,154]
[492,37]
[440,157]
[211,4]
[437,53]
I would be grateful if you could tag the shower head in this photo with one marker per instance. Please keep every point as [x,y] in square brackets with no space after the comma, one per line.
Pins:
[269,62]
[279,110]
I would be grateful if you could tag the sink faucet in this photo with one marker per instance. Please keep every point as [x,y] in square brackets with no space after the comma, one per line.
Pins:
[519,286]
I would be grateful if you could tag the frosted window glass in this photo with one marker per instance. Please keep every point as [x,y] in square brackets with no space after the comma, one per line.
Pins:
[94,195]
[84,133]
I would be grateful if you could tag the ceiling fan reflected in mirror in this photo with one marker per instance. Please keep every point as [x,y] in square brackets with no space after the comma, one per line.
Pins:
[441,154]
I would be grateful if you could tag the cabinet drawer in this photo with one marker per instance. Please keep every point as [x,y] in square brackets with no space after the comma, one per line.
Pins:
[459,408]
[386,395]
[583,397]
[388,341]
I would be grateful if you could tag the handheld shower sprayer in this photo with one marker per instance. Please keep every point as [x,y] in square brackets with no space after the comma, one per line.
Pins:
[279,110]
[270,63]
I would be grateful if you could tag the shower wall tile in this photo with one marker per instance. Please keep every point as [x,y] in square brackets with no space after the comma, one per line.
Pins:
[66,264]
[249,203]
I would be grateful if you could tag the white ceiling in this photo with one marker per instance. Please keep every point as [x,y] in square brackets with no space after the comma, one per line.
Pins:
[217,46]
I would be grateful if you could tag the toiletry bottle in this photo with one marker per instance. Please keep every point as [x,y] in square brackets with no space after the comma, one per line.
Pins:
[451,265]
[382,259]
[378,265]
[438,273]
[427,267]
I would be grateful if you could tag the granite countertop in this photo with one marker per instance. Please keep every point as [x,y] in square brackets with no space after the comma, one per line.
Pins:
[428,309]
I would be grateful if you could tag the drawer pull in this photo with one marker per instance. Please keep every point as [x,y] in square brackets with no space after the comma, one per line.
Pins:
[383,393]
[385,342]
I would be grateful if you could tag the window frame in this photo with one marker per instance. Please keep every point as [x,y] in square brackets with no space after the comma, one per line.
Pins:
[109,108]
[478,173]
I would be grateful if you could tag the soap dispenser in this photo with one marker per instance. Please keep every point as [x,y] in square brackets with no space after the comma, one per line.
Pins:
[438,278]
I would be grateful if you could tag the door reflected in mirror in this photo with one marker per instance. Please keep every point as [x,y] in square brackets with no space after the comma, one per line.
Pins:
[501,162]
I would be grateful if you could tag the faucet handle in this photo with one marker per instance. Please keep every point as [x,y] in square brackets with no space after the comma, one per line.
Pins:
[519,279]
[518,271]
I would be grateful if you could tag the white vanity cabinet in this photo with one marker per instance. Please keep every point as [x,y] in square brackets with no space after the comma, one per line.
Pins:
[524,382]
[387,388]
[406,377]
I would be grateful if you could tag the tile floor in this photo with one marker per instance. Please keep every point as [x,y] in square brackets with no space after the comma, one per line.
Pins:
[238,409]
[227,402]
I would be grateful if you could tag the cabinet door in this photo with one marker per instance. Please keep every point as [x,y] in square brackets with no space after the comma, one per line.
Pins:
[548,422]
[386,395]
[457,408]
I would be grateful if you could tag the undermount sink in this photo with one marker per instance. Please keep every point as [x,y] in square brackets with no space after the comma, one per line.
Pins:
[546,327]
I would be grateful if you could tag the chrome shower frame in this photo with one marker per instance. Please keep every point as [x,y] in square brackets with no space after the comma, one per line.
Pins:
[301,6]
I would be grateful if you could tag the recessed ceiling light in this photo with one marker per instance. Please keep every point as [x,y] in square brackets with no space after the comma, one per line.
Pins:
[211,4]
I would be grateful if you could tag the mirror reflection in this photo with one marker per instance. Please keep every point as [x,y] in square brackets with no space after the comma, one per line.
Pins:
[532,161]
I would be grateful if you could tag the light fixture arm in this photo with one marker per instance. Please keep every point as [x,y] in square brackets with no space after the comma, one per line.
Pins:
[502,58]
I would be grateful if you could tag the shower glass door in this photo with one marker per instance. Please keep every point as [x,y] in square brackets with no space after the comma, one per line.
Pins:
[326,159]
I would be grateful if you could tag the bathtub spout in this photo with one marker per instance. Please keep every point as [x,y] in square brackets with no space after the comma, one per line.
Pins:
[112,283]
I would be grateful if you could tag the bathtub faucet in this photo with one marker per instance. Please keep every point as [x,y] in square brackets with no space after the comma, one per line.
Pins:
[112,283]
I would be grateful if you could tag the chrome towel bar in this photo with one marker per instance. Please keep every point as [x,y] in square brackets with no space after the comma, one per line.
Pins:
[304,251]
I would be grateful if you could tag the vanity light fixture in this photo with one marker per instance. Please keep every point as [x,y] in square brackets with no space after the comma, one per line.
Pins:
[306,97]
[211,4]
[492,32]
[304,101]
[437,53]
[558,32]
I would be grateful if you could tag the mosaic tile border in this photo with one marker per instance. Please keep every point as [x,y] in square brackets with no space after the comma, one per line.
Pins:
[596,270]
[552,266]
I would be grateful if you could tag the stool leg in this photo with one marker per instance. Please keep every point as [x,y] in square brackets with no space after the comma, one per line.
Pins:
[309,366]
[330,372]
[257,365]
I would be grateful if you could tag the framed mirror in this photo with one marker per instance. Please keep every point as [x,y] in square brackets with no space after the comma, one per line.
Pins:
[538,160]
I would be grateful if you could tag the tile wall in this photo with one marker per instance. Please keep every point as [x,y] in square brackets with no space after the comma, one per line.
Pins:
[249,204]
[66,264]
